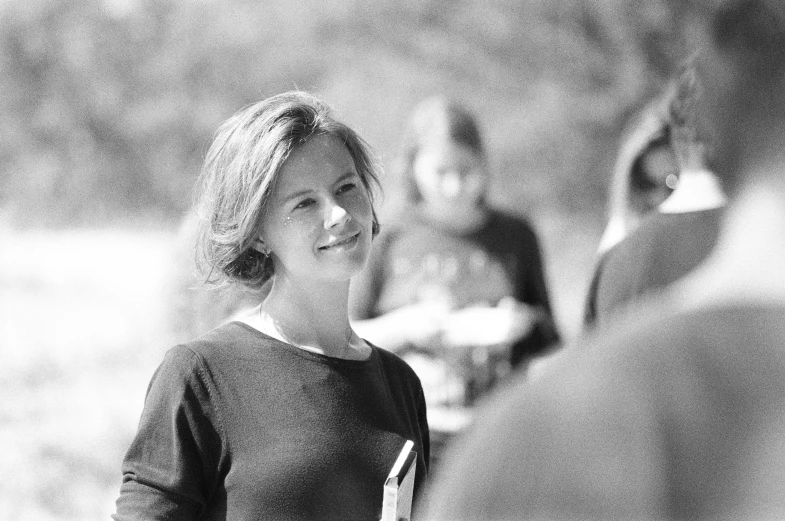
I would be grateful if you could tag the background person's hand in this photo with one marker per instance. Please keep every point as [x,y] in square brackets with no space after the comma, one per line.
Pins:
[415,324]
[487,326]
[422,323]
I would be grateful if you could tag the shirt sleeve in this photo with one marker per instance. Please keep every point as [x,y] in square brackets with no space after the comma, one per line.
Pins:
[422,419]
[171,468]
[532,289]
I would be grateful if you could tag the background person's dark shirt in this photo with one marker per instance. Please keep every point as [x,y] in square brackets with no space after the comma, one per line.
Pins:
[414,260]
[663,249]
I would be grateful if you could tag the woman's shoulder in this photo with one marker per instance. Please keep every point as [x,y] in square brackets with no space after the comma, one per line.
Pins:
[226,341]
[216,338]
[395,364]
[386,357]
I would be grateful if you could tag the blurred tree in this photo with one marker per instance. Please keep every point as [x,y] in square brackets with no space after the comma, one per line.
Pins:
[106,106]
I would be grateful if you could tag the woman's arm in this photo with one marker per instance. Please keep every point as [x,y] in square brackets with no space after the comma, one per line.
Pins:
[170,469]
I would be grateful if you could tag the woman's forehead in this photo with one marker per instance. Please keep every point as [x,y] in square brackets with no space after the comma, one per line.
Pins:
[320,156]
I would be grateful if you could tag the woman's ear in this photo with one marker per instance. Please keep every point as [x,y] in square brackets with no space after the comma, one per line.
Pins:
[259,245]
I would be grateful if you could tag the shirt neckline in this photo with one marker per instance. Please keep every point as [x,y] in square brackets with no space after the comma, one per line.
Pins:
[303,353]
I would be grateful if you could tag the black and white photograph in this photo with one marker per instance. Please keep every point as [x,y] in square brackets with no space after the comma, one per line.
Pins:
[418,260]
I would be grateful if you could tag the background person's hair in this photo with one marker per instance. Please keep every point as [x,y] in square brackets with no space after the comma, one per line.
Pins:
[240,171]
[433,120]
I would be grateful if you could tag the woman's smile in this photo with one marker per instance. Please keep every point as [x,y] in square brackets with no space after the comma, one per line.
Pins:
[342,244]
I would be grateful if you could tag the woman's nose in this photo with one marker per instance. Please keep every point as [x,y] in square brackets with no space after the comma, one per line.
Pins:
[336,216]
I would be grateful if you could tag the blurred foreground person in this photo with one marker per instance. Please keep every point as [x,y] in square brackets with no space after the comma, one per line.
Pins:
[285,413]
[454,286]
[678,235]
[680,412]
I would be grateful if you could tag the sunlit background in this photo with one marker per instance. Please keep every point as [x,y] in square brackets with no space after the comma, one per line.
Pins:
[107,108]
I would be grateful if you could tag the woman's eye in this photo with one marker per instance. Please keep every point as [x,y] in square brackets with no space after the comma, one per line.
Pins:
[304,204]
[346,187]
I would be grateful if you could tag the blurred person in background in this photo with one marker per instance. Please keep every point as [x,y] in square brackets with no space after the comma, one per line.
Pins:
[679,412]
[284,413]
[455,287]
[645,173]
[678,235]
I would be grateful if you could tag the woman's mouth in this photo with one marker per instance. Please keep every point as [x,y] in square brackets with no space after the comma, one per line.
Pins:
[345,243]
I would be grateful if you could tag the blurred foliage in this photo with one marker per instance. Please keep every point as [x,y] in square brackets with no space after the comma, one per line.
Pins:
[107,106]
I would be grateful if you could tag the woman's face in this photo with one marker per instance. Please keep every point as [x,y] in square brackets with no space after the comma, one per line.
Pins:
[450,176]
[319,217]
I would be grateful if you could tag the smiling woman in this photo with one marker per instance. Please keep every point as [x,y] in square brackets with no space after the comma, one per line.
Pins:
[284,413]
[319,220]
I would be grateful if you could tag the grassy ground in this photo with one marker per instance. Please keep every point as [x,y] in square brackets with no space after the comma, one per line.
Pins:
[81,331]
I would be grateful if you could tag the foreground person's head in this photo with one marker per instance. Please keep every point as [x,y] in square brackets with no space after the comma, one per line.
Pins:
[741,62]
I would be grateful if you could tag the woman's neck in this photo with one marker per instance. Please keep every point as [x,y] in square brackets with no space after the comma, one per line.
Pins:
[310,316]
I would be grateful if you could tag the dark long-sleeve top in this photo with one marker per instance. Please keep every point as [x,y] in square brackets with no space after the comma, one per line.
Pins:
[240,426]
[662,250]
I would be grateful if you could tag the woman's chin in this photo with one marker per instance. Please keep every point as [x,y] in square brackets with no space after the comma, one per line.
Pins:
[346,263]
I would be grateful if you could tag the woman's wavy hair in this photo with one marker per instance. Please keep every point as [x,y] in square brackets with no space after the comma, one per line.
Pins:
[433,119]
[240,171]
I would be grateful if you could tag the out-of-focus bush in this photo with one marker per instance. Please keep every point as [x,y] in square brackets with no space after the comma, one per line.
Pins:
[106,107]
